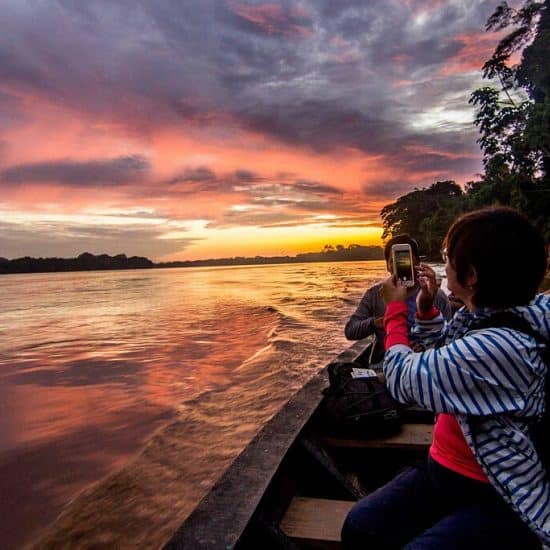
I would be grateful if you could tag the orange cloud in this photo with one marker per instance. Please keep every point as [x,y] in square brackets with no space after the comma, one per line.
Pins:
[318,156]
[476,49]
[273,19]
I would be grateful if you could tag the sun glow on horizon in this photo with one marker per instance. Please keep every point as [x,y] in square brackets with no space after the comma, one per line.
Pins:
[208,148]
[277,241]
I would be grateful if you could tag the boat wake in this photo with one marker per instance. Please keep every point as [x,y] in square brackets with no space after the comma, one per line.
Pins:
[184,385]
[183,459]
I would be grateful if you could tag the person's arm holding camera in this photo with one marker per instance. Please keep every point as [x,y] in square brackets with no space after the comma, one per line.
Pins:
[430,325]
[428,290]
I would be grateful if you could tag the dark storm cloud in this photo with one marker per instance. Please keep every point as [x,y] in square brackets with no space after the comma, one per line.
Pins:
[257,218]
[16,70]
[435,162]
[407,37]
[321,76]
[246,176]
[280,189]
[277,213]
[422,29]
[323,125]
[194,175]
[315,187]
[381,189]
[263,201]
[117,171]
[282,19]
[11,115]
[298,196]
[202,180]
[287,202]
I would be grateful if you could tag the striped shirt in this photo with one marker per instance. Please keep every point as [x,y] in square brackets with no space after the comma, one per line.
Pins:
[492,380]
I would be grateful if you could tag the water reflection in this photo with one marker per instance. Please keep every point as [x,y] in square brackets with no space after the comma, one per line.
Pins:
[92,364]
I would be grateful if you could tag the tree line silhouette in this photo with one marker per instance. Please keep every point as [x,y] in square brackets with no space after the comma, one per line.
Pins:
[514,124]
[84,262]
[88,262]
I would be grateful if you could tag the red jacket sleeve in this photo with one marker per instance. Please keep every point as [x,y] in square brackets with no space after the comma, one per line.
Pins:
[395,323]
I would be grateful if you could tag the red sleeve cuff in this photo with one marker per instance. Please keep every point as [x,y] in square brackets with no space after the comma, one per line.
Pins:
[395,323]
[428,315]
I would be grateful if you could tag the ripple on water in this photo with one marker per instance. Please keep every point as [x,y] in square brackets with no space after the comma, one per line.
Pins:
[169,375]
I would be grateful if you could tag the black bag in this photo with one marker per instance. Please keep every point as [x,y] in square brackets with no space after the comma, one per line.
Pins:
[358,402]
[540,429]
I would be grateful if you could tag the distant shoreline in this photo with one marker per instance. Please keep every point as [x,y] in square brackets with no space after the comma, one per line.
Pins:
[102,262]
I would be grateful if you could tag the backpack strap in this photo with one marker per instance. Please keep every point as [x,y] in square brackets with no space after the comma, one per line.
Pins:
[508,319]
[540,428]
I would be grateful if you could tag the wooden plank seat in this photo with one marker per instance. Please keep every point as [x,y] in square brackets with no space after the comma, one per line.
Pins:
[315,519]
[410,437]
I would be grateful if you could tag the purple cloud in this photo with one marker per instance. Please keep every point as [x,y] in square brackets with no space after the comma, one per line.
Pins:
[93,173]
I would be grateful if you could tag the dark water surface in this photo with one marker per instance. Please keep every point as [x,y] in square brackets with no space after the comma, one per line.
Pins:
[125,394]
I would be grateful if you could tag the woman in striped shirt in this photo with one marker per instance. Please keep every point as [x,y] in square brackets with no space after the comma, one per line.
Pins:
[483,485]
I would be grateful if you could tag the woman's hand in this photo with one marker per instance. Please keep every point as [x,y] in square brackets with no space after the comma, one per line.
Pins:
[428,288]
[392,291]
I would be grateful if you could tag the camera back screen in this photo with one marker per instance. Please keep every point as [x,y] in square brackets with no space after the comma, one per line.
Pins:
[403,265]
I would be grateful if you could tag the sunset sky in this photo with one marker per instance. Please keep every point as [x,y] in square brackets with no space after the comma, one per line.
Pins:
[189,129]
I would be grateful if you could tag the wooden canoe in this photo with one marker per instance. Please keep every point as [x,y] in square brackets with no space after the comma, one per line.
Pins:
[293,484]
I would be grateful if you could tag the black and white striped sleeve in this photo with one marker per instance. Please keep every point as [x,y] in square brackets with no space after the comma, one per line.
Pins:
[483,373]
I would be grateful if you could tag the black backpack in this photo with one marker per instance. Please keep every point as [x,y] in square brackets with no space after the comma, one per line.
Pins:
[540,429]
[357,402]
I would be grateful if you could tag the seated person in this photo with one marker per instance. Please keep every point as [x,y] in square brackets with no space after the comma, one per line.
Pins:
[484,484]
[369,315]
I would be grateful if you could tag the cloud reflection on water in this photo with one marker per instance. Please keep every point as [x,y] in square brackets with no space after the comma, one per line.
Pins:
[95,363]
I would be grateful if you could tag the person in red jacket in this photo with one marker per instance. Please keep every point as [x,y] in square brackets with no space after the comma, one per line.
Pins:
[484,483]
[368,318]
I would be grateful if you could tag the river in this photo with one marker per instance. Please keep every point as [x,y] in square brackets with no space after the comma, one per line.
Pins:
[125,394]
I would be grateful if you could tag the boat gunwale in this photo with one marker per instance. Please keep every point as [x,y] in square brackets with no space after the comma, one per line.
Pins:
[222,515]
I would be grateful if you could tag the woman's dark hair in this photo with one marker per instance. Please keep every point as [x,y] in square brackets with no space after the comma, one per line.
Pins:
[505,250]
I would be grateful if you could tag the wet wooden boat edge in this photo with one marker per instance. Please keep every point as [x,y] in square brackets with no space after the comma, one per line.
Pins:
[221,517]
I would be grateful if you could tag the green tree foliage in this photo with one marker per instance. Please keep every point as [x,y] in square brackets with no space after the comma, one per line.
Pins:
[514,119]
[425,214]
[514,123]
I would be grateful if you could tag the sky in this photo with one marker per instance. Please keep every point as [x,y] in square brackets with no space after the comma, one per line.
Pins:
[191,129]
